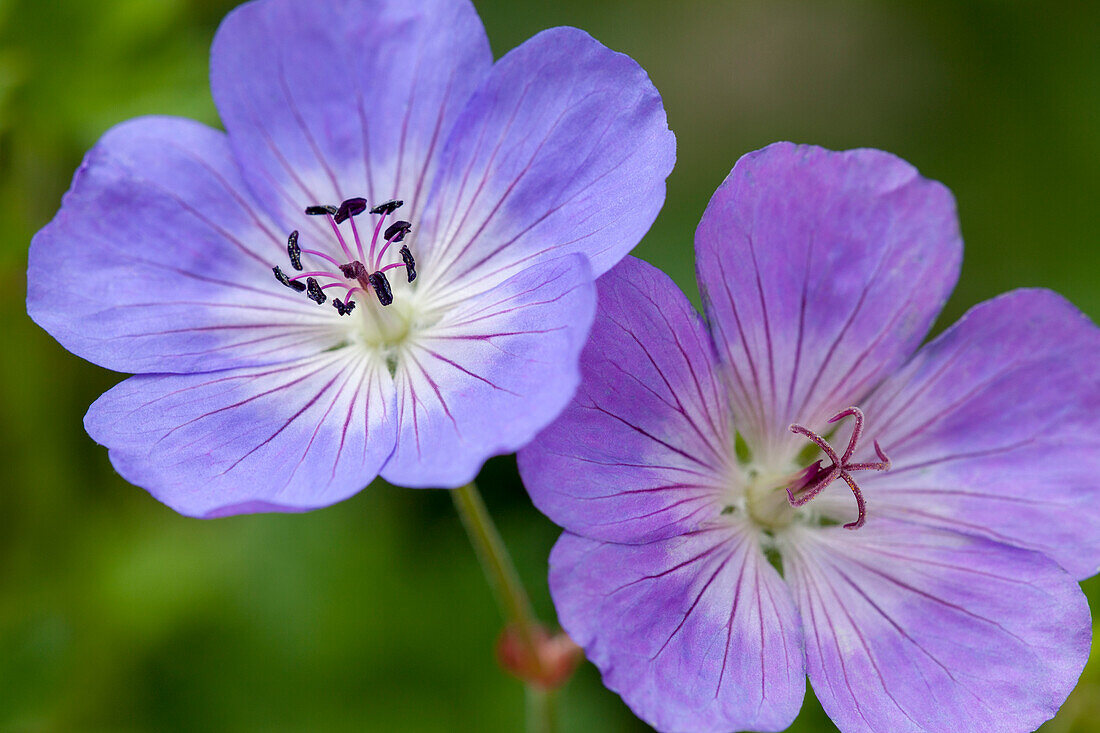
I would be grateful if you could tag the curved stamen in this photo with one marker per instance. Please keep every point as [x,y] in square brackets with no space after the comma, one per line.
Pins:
[314,252]
[340,237]
[815,478]
[358,241]
[316,273]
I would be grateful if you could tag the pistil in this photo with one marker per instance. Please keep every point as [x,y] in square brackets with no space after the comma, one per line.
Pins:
[813,480]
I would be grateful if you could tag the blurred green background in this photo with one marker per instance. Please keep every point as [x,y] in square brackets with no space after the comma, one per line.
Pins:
[116,614]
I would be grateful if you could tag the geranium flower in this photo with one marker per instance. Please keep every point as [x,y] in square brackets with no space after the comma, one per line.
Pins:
[923,559]
[260,282]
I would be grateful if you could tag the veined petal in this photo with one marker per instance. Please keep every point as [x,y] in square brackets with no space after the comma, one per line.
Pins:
[912,628]
[330,99]
[564,148]
[645,449]
[485,379]
[158,261]
[697,633]
[285,438]
[821,272]
[994,428]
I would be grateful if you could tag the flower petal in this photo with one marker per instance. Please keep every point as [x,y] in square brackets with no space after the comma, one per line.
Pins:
[564,148]
[285,438]
[159,262]
[918,629]
[330,99]
[697,632]
[485,379]
[994,428]
[821,272]
[645,449]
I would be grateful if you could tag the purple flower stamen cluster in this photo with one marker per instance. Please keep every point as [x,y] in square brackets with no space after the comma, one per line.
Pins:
[373,277]
[815,478]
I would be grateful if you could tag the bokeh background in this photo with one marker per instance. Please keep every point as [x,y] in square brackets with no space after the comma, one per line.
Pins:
[116,614]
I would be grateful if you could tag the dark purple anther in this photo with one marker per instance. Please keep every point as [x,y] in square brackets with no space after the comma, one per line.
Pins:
[396,232]
[816,477]
[320,210]
[387,207]
[281,277]
[381,287]
[314,291]
[410,263]
[343,308]
[350,208]
[294,251]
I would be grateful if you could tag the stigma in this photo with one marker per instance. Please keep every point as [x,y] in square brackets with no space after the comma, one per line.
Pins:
[363,269]
[813,480]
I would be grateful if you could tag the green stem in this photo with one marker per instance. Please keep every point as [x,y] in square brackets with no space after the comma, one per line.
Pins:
[509,591]
[541,711]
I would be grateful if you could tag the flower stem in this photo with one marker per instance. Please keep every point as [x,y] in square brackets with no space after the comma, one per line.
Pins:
[541,711]
[509,591]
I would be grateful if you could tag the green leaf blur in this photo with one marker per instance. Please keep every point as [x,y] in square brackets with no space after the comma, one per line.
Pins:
[116,614]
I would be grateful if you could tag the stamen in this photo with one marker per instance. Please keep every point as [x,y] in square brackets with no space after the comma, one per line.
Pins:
[397,237]
[387,207]
[410,263]
[322,255]
[292,284]
[397,231]
[352,268]
[381,287]
[294,251]
[350,208]
[340,237]
[815,478]
[343,308]
[314,291]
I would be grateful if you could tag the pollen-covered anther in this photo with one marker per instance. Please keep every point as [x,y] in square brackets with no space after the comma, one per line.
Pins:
[810,482]
[410,263]
[387,207]
[294,251]
[396,232]
[281,277]
[321,210]
[343,308]
[349,208]
[313,290]
[381,287]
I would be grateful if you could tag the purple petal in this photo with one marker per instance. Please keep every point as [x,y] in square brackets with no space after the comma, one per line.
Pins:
[994,428]
[330,99]
[697,632]
[918,629]
[484,380]
[644,450]
[159,262]
[285,438]
[821,272]
[564,148]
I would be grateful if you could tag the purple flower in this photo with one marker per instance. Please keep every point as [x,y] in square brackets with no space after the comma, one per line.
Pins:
[384,266]
[944,597]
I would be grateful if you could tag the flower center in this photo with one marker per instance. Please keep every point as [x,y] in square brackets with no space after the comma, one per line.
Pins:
[362,271]
[810,482]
